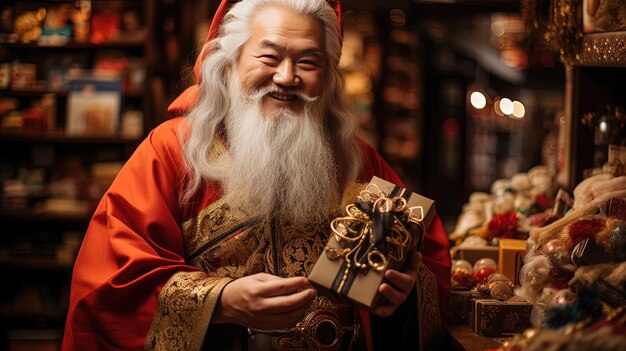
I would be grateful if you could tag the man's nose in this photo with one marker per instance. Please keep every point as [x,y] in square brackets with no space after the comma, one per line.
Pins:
[286,74]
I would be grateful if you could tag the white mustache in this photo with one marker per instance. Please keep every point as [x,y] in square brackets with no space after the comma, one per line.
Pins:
[261,92]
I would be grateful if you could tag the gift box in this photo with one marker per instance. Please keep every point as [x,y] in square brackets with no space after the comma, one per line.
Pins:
[511,253]
[383,226]
[499,318]
[460,305]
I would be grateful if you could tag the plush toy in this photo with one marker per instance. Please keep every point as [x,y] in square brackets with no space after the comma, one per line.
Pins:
[27,26]
[80,19]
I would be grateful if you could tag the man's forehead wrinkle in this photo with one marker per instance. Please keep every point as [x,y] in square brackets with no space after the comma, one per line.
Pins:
[310,50]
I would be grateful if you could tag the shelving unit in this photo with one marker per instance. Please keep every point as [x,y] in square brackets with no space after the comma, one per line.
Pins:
[595,76]
[52,177]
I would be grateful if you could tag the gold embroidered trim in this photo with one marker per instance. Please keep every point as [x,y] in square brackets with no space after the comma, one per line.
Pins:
[242,253]
[214,220]
[301,247]
[429,318]
[185,307]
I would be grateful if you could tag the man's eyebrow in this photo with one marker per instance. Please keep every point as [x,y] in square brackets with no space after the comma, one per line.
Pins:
[308,51]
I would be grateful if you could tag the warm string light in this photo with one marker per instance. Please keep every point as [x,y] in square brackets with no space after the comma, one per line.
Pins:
[478,100]
[502,106]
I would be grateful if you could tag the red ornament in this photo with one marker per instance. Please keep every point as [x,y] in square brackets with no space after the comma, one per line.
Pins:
[461,277]
[482,274]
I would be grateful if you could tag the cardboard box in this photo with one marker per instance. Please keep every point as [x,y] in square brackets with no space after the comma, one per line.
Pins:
[335,275]
[511,253]
[500,318]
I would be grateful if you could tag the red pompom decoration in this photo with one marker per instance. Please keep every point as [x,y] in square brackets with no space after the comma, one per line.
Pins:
[482,274]
[502,226]
[582,229]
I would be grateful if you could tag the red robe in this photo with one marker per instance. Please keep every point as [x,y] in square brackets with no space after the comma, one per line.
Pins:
[134,245]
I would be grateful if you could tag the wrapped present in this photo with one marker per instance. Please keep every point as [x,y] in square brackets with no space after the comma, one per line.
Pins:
[499,318]
[460,305]
[381,229]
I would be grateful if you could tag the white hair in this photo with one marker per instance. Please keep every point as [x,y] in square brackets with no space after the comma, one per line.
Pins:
[215,102]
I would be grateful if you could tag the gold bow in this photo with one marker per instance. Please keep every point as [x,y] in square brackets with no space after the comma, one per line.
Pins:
[355,231]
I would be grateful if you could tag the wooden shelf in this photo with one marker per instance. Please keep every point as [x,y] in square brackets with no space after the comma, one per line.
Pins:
[37,264]
[61,93]
[463,338]
[30,216]
[52,315]
[72,45]
[60,137]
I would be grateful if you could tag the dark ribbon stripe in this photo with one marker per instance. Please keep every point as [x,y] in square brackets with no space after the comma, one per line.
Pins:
[381,221]
[609,294]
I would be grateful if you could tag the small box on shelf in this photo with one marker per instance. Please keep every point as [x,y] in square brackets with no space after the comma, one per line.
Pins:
[499,318]
[511,253]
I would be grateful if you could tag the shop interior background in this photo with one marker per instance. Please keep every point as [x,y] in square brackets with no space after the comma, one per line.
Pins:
[411,69]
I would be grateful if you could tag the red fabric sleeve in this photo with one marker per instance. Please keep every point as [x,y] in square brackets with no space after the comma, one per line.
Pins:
[132,247]
[436,254]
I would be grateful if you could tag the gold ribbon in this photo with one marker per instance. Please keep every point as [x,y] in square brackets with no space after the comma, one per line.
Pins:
[355,232]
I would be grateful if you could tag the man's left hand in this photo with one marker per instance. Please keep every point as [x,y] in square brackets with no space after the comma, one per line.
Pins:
[397,286]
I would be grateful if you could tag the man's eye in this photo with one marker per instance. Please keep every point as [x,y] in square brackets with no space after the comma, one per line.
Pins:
[308,63]
[270,57]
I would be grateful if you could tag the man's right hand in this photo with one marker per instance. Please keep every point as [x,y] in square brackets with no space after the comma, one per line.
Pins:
[264,301]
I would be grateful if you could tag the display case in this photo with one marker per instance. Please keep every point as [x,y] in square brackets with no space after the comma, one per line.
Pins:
[595,59]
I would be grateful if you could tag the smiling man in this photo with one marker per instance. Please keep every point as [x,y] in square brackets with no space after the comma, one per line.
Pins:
[205,238]
[283,59]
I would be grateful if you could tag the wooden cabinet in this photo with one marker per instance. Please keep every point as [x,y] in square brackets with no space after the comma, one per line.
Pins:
[595,79]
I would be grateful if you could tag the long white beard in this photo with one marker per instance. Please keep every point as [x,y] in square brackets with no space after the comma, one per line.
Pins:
[280,166]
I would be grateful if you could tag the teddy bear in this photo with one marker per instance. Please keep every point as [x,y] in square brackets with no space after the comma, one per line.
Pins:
[27,25]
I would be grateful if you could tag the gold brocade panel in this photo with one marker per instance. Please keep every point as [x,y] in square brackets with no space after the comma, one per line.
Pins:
[225,242]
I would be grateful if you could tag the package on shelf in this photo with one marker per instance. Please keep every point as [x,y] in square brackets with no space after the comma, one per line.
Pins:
[499,318]
[23,75]
[511,253]
[460,305]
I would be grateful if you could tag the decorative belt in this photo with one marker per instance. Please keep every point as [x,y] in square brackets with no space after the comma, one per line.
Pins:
[325,326]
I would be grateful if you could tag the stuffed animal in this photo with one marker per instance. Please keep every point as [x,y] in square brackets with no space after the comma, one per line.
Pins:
[27,26]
